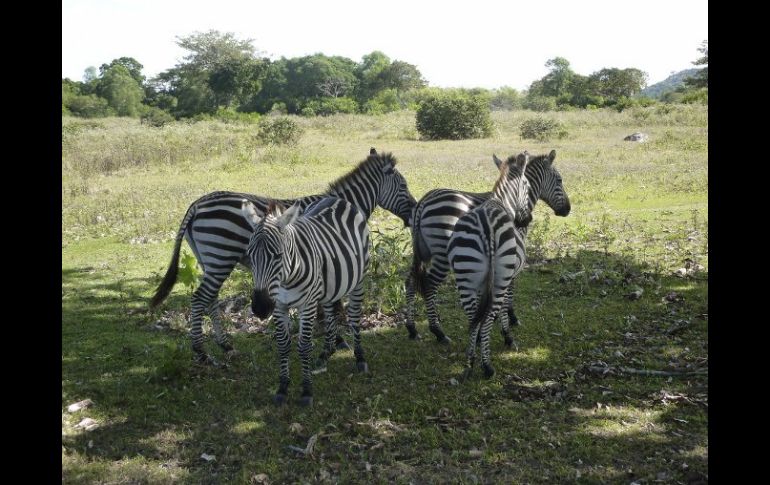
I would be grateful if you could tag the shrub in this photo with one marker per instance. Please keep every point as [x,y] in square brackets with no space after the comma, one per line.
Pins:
[697,96]
[542,129]
[91,106]
[540,103]
[505,99]
[453,115]
[383,102]
[279,131]
[329,106]
[229,115]
[156,117]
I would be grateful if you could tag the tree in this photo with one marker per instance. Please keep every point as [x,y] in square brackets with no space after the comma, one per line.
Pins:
[557,82]
[333,87]
[132,65]
[401,76]
[121,91]
[701,79]
[613,83]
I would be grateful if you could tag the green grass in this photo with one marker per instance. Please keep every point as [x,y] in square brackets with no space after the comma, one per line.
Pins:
[639,211]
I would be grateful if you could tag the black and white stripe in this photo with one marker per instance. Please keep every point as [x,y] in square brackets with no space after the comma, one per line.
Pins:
[486,252]
[303,261]
[218,234]
[434,220]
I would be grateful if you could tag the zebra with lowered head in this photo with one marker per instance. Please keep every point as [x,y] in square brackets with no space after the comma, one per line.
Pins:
[218,234]
[303,260]
[433,223]
[486,252]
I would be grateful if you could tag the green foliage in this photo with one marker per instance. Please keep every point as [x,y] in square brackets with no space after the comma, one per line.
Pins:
[453,115]
[505,99]
[390,260]
[121,91]
[701,78]
[328,106]
[189,272]
[542,129]
[155,117]
[90,106]
[279,131]
[540,103]
[696,96]
[385,101]
[626,103]
[229,115]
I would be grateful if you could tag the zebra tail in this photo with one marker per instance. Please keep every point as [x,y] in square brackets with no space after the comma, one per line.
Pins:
[485,298]
[420,256]
[169,280]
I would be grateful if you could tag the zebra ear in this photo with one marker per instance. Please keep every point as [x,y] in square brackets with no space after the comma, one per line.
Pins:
[250,213]
[289,215]
[551,157]
[372,151]
[521,161]
[497,161]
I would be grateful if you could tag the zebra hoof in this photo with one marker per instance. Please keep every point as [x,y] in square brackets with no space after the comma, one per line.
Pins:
[362,367]
[320,363]
[206,360]
[444,340]
[279,399]
[342,345]
[466,374]
[489,371]
[413,335]
[306,401]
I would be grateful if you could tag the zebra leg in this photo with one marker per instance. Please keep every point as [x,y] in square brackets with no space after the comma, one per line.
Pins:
[221,337]
[486,328]
[330,336]
[282,323]
[203,298]
[355,304]
[508,318]
[339,316]
[410,308]
[470,352]
[436,275]
[305,347]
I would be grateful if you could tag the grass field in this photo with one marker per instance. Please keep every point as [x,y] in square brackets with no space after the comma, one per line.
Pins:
[621,283]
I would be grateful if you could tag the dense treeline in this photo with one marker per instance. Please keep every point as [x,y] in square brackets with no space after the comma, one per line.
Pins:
[225,77]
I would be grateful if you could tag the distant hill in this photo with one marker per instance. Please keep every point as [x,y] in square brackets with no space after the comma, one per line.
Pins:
[669,84]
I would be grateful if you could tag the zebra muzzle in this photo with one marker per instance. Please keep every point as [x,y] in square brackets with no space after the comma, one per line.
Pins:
[261,304]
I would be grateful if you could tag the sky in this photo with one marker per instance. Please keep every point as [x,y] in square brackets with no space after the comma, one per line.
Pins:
[478,43]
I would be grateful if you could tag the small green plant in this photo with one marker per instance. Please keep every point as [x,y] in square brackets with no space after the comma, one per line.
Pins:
[279,131]
[328,106]
[387,271]
[189,273]
[542,129]
[454,115]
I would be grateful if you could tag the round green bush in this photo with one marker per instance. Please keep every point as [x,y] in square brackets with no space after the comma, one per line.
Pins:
[453,116]
[542,129]
[279,131]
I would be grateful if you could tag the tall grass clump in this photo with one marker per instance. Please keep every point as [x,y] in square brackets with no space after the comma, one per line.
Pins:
[279,131]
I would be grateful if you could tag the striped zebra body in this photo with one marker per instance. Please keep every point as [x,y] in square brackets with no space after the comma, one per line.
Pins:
[433,222]
[486,252]
[303,261]
[218,233]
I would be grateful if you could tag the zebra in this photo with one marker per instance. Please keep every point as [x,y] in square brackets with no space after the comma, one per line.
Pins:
[433,221]
[218,234]
[486,251]
[300,260]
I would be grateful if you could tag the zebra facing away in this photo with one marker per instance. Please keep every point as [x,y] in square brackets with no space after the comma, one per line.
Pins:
[303,260]
[433,223]
[486,252]
[218,234]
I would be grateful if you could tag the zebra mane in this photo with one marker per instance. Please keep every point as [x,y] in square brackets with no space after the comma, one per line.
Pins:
[374,160]
[506,168]
[538,159]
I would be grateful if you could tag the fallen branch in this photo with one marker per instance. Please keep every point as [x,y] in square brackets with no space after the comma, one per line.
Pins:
[664,373]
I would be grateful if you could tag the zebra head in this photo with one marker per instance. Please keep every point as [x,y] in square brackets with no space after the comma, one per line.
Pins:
[546,184]
[512,187]
[265,252]
[393,194]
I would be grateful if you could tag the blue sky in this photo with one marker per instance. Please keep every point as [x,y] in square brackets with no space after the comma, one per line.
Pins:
[480,43]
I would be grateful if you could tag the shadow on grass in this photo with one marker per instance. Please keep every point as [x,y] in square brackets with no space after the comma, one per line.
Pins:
[158,413]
